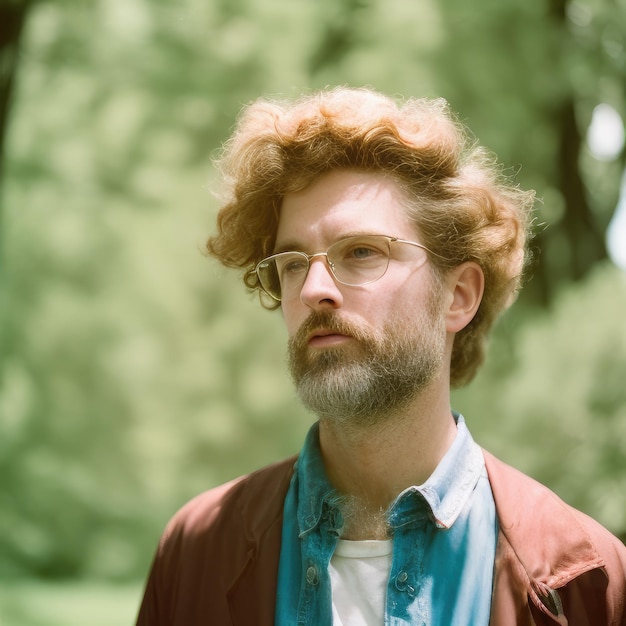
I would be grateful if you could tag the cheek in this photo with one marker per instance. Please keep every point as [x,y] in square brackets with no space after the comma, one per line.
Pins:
[414,303]
[293,317]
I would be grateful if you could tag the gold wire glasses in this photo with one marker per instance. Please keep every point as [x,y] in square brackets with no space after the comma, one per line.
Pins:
[353,261]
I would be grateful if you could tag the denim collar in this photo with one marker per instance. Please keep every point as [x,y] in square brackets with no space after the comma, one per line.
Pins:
[440,499]
[448,488]
[315,493]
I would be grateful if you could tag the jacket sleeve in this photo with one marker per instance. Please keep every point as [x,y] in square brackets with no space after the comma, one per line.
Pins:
[155,609]
[600,594]
[188,577]
[149,613]
[614,553]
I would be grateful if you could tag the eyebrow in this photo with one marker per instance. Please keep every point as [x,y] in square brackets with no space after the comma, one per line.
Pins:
[289,246]
[294,246]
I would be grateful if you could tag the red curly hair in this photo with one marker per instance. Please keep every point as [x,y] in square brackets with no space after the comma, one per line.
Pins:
[462,206]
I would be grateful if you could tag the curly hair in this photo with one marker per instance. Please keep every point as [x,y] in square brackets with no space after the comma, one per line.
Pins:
[462,205]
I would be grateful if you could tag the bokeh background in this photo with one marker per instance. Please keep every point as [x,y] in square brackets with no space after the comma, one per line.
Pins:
[136,373]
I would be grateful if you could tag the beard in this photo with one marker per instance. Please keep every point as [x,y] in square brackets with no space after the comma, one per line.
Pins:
[376,374]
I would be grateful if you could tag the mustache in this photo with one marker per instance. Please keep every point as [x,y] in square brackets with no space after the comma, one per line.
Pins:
[326,320]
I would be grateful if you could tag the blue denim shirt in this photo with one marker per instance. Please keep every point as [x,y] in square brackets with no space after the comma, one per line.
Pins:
[444,540]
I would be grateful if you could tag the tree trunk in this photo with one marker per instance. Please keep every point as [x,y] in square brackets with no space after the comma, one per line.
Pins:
[585,239]
[12,17]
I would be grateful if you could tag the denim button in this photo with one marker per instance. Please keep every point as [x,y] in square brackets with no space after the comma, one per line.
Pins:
[311,575]
[401,579]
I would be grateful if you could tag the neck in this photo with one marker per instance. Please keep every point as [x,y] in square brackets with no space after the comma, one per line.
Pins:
[374,463]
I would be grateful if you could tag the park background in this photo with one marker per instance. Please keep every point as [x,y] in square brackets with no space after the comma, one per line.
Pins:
[136,373]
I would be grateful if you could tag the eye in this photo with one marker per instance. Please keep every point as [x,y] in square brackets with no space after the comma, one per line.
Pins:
[292,265]
[362,250]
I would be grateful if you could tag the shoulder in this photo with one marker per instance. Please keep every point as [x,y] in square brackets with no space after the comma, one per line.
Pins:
[253,498]
[554,542]
[210,542]
[216,531]
[519,498]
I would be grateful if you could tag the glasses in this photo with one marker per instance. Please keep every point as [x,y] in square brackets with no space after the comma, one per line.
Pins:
[352,261]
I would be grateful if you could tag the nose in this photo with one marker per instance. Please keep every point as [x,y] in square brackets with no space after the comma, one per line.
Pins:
[320,290]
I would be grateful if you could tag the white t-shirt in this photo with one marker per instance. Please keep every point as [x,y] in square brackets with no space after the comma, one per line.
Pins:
[359,571]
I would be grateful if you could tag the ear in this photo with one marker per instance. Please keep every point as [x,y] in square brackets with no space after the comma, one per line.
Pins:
[466,284]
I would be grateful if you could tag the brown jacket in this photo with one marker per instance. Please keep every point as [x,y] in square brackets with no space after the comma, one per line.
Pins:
[217,561]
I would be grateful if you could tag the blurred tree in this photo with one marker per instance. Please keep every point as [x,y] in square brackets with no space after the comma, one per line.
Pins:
[526,76]
[338,35]
[111,412]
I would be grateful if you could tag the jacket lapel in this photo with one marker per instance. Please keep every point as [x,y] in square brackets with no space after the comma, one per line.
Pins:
[251,595]
[540,549]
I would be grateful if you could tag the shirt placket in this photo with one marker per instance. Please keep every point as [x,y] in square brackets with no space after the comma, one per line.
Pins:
[318,546]
[406,602]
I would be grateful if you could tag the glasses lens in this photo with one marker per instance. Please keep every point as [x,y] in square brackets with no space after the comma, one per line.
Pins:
[282,273]
[359,260]
[266,271]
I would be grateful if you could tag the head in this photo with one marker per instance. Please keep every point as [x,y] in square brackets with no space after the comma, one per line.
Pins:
[458,202]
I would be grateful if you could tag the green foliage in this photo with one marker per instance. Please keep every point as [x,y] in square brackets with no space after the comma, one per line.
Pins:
[67,604]
[134,372]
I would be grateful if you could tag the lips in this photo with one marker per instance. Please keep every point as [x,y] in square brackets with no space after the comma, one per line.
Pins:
[324,338]
[323,329]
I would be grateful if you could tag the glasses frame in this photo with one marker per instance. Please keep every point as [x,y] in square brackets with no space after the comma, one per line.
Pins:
[331,265]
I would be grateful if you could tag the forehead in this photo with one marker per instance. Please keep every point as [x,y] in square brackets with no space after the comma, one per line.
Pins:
[339,204]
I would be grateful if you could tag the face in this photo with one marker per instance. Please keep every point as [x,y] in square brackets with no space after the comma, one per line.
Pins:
[359,352]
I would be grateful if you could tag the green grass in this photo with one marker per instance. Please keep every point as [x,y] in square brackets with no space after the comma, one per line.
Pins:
[36,603]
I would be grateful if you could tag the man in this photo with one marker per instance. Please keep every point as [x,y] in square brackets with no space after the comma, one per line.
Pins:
[391,242]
